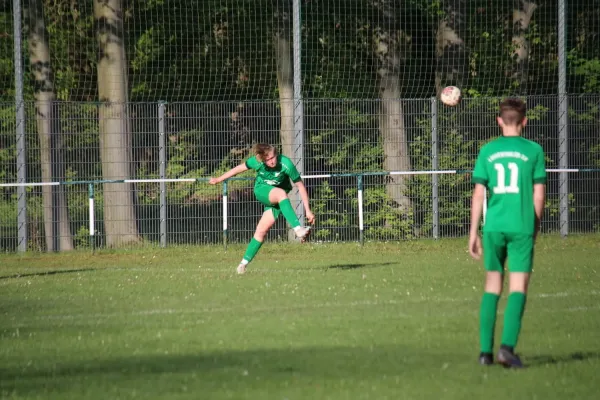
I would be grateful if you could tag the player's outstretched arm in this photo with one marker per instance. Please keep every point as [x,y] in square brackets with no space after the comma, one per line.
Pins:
[539,199]
[232,172]
[310,217]
[476,211]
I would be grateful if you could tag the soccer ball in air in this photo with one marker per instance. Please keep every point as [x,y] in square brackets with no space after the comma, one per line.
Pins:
[450,96]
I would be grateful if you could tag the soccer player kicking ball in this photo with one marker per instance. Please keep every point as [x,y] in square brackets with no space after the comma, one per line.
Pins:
[273,174]
[513,169]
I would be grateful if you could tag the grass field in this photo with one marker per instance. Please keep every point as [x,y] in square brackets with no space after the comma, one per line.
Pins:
[313,321]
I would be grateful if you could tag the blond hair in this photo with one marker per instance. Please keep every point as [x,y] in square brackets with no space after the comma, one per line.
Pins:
[263,149]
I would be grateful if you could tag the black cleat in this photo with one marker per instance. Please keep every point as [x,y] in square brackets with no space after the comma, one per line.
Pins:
[486,358]
[508,358]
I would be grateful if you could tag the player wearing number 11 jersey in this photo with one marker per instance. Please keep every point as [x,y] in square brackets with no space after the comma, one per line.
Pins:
[513,171]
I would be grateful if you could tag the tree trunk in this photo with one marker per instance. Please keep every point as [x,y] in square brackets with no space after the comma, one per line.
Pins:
[115,136]
[395,142]
[388,42]
[521,47]
[450,48]
[285,82]
[285,76]
[57,229]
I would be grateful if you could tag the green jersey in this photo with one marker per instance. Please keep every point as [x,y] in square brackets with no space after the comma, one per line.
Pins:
[509,167]
[278,176]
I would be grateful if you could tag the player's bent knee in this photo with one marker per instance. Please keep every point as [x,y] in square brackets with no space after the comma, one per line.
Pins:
[260,235]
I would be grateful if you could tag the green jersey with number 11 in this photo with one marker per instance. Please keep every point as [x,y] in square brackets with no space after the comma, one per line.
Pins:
[509,167]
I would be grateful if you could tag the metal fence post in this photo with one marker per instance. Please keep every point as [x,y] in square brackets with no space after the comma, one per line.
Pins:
[298,102]
[162,159]
[434,166]
[55,158]
[360,210]
[91,215]
[563,134]
[20,128]
[225,214]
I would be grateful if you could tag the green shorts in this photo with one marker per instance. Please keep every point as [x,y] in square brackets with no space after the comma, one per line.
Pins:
[262,195]
[517,247]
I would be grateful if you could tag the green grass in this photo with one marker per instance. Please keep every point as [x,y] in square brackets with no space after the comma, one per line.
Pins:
[329,321]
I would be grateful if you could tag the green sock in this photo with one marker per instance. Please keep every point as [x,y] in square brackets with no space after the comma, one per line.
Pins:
[252,249]
[487,321]
[512,318]
[288,213]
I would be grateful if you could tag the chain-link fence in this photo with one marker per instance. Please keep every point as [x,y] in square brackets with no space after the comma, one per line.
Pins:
[123,109]
[176,147]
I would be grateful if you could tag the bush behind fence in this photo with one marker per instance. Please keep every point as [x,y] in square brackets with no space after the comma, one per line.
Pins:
[203,139]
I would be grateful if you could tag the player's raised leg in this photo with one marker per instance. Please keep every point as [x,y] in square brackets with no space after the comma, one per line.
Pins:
[266,222]
[279,196]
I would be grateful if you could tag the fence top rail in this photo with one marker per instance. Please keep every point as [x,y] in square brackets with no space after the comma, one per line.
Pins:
[340,175]
[584,96]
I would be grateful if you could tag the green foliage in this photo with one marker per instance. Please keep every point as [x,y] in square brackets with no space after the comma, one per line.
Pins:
[347,141]
[454,190]
[8,223]
[552,205]
[73,49]
[81,239]
[457,149]
[350,142]
[595,155]
[7,143]
[587,70]
[7,68]
[332,212]
[383,219]
[181,50]
[211,54]
[189,156]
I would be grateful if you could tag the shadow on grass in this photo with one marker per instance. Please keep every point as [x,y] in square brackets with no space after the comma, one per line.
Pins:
[217,368]
[44,273]
[356,266]
[560,359]
[155,375]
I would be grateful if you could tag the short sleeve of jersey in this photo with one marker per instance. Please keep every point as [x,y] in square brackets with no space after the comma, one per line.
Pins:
[539,173]
[253,163]
[480,174]
[291,169]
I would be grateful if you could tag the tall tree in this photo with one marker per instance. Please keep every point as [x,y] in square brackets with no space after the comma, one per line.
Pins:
[285,74]
[285,83]
[450,46]
[389,42]
[54,200]
[521,47]
[115,135]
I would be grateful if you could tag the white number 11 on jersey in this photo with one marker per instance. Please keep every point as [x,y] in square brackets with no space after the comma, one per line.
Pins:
[513,186]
